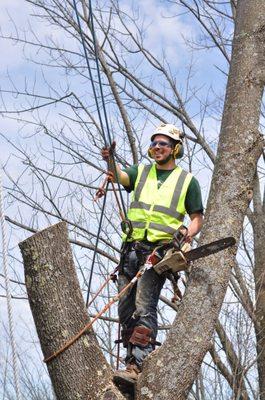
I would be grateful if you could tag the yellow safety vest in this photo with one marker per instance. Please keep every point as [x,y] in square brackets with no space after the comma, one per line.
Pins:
[155,213]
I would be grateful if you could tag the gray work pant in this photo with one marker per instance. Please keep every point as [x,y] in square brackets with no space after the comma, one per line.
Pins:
[139,305]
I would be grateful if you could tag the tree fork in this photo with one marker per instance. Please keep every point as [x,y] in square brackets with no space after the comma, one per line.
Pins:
[81,371]
[170,371]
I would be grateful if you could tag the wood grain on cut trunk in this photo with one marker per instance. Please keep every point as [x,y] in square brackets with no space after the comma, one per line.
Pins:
[81,372]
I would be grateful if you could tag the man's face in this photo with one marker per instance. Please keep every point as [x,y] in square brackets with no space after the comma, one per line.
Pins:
[161,148]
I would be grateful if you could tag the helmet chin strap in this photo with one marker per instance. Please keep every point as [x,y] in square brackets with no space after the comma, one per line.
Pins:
[162,162]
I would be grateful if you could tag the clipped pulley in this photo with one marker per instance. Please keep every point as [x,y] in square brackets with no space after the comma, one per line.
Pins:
[126,227]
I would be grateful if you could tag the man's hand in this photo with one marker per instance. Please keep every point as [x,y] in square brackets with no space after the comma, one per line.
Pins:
[106,152]
[182,236]
[185,233]
[194,227]
[114,168]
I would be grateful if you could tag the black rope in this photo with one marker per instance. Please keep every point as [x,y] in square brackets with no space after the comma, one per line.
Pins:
[90,72]
[96,246]
[103,101]
[101,91]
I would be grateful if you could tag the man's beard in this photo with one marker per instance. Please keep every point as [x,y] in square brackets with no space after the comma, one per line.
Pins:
[162,162]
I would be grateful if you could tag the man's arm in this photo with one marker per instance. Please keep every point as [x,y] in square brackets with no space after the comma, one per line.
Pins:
[195,224]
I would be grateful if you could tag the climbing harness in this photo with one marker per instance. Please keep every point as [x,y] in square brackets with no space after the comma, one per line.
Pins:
[148,265]
[157,254]
[8,294]
[151,262]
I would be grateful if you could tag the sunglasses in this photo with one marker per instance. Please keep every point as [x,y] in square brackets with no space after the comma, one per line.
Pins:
[160,143]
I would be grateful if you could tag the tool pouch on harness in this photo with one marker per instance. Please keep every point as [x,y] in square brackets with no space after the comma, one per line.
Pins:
[141,336]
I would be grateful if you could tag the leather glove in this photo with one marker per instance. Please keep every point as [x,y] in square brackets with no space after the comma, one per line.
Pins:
[181,236]
[106,152]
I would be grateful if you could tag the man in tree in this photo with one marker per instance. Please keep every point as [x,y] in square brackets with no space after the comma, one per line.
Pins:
[162,194]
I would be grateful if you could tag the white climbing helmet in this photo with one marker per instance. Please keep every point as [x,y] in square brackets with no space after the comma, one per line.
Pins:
[170,131]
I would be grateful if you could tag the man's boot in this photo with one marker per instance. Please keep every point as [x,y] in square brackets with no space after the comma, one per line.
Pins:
[129,374]
[139,346]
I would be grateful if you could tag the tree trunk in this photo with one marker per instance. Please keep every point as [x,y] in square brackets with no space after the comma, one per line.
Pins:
[81,371]
[258,224]
[170,371]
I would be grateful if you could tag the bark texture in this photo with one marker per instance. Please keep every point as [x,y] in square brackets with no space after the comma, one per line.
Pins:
[170,371]
[81,372]
[258,224]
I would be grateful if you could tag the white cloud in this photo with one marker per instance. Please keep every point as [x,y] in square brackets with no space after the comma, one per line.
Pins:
[165,29]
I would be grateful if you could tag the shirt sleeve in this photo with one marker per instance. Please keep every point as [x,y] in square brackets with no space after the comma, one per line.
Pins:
[132,173]
[193,201]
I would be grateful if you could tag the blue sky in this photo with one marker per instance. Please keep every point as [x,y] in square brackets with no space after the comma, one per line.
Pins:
[165,33]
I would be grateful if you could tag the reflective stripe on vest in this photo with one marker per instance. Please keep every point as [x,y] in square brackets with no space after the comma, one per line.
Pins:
[157,213]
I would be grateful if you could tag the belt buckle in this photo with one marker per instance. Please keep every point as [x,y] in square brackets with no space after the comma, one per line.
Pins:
[136,245]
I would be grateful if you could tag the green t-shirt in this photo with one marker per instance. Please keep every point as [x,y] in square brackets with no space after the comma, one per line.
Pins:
[193,201]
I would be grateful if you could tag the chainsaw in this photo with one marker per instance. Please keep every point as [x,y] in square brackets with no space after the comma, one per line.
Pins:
[177,255]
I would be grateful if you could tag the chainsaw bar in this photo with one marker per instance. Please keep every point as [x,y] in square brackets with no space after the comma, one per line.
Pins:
[210,248]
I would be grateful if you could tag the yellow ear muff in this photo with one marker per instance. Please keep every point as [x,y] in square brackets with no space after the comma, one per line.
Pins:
[150,152]
[178,151]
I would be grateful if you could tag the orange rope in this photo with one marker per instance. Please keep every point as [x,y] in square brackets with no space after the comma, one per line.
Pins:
[89,325]
[112,277]
[101,192]
[99,290]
